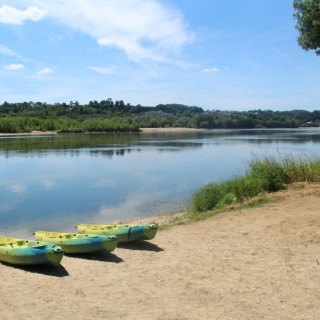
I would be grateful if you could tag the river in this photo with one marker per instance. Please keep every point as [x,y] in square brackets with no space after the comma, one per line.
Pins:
[58,181]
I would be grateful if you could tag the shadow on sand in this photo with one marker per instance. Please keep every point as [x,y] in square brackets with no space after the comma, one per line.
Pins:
[140,245]
[99,256]
[53,271]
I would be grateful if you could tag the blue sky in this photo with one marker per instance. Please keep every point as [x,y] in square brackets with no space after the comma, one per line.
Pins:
[228,55]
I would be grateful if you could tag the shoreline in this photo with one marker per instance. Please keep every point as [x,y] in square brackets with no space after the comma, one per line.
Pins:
[171,129]
[142,130]
[32,133]
[258,263]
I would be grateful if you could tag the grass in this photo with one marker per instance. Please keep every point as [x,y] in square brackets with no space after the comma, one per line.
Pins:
[266,174]
[258,202]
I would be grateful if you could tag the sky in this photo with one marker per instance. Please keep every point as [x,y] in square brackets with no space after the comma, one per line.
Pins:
[227,55]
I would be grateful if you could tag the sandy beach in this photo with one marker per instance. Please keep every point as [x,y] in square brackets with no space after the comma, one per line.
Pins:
[261,263]
[32,133]
[169,129]
[145,130]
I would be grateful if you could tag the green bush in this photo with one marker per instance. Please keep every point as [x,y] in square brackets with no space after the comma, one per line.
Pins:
[212,196]
[247,187]
[302,169]
[266,174]
[8,126]
[270,171]
[66,125]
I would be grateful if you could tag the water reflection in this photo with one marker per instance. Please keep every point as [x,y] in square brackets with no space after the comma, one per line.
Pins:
[119,144]
[55,182]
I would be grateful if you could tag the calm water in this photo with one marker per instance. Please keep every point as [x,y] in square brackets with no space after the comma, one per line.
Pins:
[55,182]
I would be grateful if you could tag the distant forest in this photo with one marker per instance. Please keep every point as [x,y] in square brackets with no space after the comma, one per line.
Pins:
[116,116]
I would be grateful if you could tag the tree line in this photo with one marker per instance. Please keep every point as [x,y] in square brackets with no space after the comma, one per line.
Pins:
[116,116]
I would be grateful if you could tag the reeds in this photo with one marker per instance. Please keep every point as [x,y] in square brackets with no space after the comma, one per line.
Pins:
[265,174]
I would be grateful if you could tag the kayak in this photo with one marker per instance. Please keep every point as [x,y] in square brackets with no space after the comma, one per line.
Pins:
[124,232]
[29,252]
[78,243]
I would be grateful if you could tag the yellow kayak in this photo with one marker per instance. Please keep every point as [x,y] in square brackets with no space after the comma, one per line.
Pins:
[124,232]
[78,243]
[29,252]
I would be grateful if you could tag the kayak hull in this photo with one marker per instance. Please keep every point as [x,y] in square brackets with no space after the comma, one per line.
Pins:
[76,243]
[29,252]
[124,232]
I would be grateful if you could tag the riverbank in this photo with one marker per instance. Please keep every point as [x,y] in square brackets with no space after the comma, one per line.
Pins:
[169,129]
[32,133]
[146,130]
[261,263]
[37,133]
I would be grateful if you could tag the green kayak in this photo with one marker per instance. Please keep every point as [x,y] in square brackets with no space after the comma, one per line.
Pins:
[124,232]
[78,243]
[29,252]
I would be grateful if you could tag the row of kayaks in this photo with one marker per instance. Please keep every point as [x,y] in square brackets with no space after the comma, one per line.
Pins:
[49,247]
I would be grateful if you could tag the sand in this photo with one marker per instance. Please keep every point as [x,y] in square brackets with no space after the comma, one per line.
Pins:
[32,133]
[157,130]
[261,263]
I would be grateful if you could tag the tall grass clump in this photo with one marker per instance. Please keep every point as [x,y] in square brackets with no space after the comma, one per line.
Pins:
[247,187]
[265,174]
[213,195]
[286,169]
[301,168]
[219,195]
[270,170]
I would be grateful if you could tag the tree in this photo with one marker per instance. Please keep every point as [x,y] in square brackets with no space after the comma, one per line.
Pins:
[308,23]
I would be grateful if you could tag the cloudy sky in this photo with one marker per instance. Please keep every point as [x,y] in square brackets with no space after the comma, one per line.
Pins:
[228,55]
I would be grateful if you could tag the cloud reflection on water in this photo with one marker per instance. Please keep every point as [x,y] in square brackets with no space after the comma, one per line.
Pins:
[58,182]
[17,188]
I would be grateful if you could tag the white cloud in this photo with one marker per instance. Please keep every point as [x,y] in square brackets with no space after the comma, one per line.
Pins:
[14,67]
[105,183]
[184,64]
[9,52]
[133,204]
[48,184]
[17,188]
[143,29]
[45,71]
[12,15]
[211,69]
[103,70]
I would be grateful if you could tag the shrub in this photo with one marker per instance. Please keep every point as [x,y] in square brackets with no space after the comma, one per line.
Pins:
[301,169]
[247,187]
[212,196]
[266,174]
[270,171]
